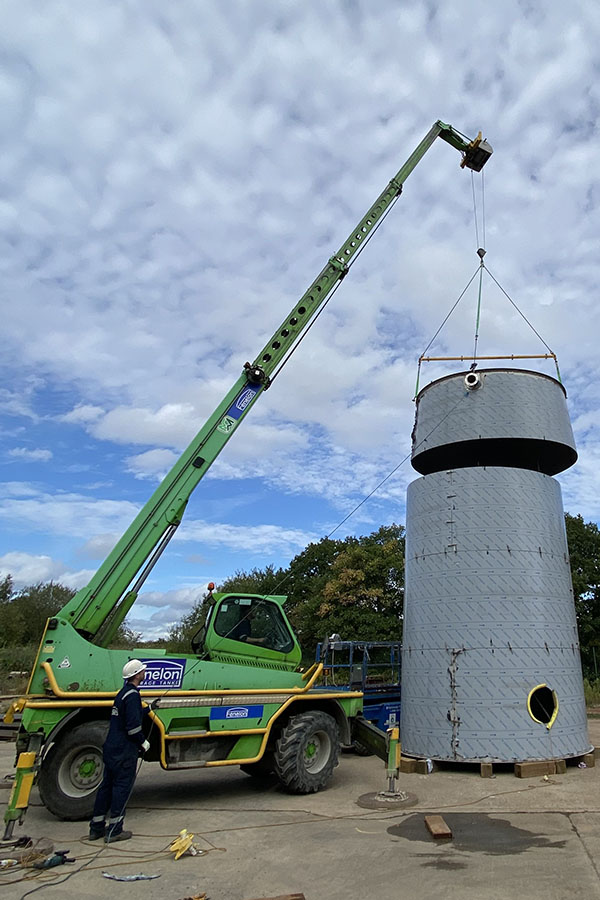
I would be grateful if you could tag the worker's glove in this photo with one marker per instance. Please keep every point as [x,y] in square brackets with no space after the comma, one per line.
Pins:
[145,746]
[155,703]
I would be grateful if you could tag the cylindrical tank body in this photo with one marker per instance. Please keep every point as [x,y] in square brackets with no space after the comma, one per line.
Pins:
[491,667]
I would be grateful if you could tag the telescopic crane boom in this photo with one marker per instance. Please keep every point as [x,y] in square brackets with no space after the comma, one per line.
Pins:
[98,610]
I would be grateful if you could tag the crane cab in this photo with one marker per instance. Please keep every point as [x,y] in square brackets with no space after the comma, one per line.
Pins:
[248,628]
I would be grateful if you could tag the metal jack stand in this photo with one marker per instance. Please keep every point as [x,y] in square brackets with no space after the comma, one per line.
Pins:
[21,789]
[393,797]
[19,796]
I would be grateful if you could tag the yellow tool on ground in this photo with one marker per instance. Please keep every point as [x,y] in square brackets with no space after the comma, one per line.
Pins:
[182,843]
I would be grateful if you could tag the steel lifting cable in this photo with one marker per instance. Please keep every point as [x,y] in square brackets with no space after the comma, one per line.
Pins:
[483,205]
[482,208]
[481,253]
[459,298]
[526,320]
[395,469]
[480,268]
[475,207]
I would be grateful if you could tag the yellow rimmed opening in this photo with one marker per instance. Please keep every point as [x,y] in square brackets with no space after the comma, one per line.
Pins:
[542,705]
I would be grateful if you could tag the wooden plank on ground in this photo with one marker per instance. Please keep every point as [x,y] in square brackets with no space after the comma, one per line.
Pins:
[486,770]
[283,897]
[437,827]
[407,765]
[535,769]
[590,760]
[561,766]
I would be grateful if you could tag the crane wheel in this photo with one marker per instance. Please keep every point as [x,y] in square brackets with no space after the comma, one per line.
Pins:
[307,752]
[72,771]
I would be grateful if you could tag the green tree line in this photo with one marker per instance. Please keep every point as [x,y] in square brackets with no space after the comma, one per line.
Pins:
[353,587]
[23,613]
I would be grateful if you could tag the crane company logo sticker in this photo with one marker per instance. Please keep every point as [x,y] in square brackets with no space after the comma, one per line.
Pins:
[236,712]
[245,398]
[163,673]
[226,425]
[229,420]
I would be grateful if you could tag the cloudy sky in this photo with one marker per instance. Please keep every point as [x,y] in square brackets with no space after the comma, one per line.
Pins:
[174,175]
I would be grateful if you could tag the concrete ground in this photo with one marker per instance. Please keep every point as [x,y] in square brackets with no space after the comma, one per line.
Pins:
[529,839]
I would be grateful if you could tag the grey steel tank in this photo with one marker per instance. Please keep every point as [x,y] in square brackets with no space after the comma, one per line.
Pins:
[491,668]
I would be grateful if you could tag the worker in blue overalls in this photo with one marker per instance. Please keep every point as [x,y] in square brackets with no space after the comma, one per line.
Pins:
[123,746]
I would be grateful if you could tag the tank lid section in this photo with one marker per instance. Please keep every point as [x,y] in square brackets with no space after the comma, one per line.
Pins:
[487,372]
[493,417]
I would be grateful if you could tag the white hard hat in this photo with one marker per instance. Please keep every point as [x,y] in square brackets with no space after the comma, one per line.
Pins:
[133,667]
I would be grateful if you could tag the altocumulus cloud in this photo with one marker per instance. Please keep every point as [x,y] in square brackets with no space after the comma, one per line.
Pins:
[27,455]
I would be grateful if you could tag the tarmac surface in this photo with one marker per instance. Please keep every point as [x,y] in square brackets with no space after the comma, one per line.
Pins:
[531,839]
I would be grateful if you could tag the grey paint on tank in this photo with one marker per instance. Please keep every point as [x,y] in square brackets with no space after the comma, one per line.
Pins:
[489,611]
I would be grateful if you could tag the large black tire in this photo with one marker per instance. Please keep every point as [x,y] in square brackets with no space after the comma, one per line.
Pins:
[72,771]
[264,768]
[307,752]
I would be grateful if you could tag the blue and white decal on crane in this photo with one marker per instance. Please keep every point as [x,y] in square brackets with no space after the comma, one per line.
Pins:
[237,408]
[163,673]
[241,404]
[236,712]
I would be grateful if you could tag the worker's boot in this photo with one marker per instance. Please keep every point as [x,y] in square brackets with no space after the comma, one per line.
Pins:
[95,835]
[121,836]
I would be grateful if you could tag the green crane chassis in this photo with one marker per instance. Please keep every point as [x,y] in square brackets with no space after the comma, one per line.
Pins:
[204,715]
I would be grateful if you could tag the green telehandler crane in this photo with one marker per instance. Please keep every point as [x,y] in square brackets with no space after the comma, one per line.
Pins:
[240,697]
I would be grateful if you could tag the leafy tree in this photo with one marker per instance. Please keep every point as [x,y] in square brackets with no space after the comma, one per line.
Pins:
[180,636]
[23,614]
[364,595]
[308,574]
[584,550]
[126,638]
[258,581]
[352,586]
[6,589]
[357,590]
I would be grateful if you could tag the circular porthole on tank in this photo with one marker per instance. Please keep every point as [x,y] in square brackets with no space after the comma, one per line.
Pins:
[542,705]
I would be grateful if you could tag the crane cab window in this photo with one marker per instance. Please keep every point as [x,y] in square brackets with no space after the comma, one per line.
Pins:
[255,622]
